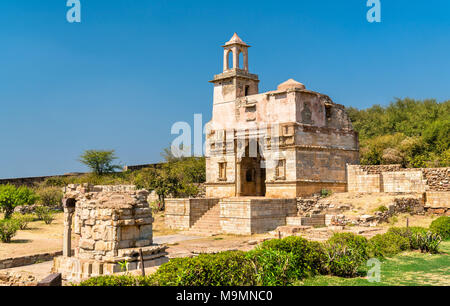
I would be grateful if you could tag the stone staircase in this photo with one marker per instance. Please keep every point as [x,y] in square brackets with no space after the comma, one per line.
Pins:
[209,223]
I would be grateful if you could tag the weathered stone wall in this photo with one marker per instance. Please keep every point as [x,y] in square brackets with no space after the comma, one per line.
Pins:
[237,215]
[32,181]
[12,262]
[359,180]
[438,179]
[177,213]
[224,190]
[378,169]
[110,218]
[437,199]
[403,181]
[392,178]
[251,216]
[183,213]
[313,221]
[114,224]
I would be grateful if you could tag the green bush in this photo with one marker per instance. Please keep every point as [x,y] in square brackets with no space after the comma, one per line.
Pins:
[429,242]
[358,244]
[346,254]
[231,268]
[410,233]
[50,196]
[325,193]
[23,220]
[118,281]
[409,132]
[441,226]
[273,267]
[8,229]
[388,244]
[12,196]
[382,209]
[309,257]
[44,213]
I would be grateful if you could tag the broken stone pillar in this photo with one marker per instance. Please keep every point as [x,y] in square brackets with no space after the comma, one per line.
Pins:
[112,225]
[69,210]
[238,179]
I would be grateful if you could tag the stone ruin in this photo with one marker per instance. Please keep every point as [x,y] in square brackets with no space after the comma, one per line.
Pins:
[113,224]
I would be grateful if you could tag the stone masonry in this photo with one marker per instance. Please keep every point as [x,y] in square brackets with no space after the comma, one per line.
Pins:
[285,143]
[393,178]
[113,223]
[263,150]
[244,216]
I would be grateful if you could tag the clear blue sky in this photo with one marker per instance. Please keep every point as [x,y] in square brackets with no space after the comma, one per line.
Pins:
[132,68]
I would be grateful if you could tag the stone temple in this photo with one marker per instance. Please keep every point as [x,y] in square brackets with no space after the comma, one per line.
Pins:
[285,143]
[263,151]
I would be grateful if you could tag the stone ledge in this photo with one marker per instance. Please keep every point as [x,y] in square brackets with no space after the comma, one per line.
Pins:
[13,262]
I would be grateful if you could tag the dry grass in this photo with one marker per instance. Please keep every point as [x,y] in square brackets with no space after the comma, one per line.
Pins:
[365,203]
[159,225]
[39,238]
[415,220]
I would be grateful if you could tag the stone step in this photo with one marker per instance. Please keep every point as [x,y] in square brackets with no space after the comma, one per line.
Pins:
[209,223]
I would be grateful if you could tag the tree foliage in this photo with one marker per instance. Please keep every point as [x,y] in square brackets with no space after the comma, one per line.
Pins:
[99,161]
[178,177]
[409,132]
[12,196]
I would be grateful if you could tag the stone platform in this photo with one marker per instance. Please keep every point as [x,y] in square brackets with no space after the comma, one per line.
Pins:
[76,269]
[241,215]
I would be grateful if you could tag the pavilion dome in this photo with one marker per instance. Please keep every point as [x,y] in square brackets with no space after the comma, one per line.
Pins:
[291,84]
[235,40]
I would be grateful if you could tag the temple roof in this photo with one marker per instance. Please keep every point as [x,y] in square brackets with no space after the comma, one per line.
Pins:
[291,84]
[235,40]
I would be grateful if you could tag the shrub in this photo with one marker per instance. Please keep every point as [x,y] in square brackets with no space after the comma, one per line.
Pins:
[382,209]
[118,281]
[356,243]
[273,267]
[231,268]
[12,196]
[346,253]
[23,220]
[441,226]
[44,213]
[429,242]
[50,196]
[8,229]
[410,233]
[388,244]
[309,257]
[325,193]
[157,205]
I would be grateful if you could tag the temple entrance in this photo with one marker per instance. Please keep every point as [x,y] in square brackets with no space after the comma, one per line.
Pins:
[251,174]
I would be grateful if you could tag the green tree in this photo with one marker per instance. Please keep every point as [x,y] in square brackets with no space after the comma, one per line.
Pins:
[159,180]
[12,196]
[410,132]
[99,161]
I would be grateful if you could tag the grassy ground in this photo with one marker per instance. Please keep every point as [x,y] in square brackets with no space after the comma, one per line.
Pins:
[406,269]
[39,238]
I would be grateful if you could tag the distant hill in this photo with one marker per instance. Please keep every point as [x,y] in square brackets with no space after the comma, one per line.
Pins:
[409,132]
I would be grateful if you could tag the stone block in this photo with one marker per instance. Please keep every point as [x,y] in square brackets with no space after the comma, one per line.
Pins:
[129,232]
[87,244]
